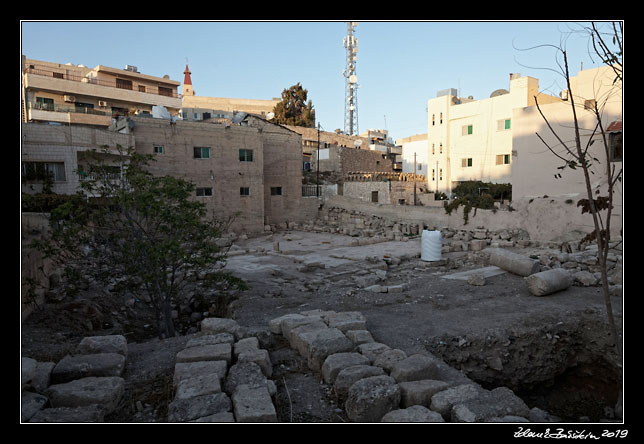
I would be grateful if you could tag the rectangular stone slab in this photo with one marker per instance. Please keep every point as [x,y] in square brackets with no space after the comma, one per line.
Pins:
[485,272]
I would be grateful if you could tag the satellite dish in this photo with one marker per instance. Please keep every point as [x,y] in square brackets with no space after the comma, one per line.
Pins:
[499,92]
[238,117]
[270,115]
[353,78]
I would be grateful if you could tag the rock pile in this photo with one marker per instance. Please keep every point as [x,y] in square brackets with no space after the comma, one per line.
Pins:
[379,384]
[221,376]
[83,387]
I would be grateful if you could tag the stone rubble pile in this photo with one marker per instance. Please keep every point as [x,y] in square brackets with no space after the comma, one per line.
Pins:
[376,383]
[83,387]
[222,376]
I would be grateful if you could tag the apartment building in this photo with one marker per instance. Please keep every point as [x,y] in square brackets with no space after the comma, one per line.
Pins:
[76,94]
[250,170]
[470,139]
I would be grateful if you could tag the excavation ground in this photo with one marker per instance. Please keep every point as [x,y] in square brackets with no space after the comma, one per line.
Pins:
[554,350]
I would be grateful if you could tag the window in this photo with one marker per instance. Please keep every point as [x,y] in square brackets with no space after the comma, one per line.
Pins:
[420,167]
[466,162]
[165,91]
[141,88]
[124,84]
[276,191]
[245,155]
[503,124]
[433,119]
[38,171]
[441,121]
[244,191]
[440,148]
[615,145]
[44,103]
[440,174]
[58,75]
[204,191]
[433,174]
[201,152]
[433,149]
[467,130]
[158,149]
[374,196]
[503,159]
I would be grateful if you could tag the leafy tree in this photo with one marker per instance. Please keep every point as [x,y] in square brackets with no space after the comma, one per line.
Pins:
[144,230]
[294,108]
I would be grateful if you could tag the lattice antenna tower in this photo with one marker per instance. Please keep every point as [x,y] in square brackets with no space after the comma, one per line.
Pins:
[350,42]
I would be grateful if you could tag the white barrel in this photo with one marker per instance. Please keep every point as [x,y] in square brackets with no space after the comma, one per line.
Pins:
[430,246]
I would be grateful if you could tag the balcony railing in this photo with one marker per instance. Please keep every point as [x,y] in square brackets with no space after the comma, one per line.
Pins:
[167,92]
[66,109]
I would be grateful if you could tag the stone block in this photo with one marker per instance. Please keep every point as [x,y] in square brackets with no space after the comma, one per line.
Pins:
[105,391]
[197,386]
[42,376]
[82,366]
[359,336]
[414,368]
[244,373]
[420,392]
[416,413]
[30,404]
[103,344]
[183,370]
[253,404]
[221,325]
[217,417]
[350,375]
[478,244]
[336,362]
[347,320]
[297,337]
[259,357]
[371,398]
[27,371]
[188,409]
[89,413]
[246,345]
[388,358]
[372,349]
[443,401]
[219,338]
[214,352]
[496,403]
[322,343]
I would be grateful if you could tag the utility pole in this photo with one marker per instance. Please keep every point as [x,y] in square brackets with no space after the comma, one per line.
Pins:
[317,189]
[414,178]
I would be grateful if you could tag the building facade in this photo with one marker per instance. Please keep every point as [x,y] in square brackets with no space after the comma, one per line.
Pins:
[471,139]
[76,94]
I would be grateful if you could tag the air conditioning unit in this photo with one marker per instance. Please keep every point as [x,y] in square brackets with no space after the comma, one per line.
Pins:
[69,98]
[564,94]
[102,103]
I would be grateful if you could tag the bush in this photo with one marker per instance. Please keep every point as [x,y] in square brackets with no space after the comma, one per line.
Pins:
[44,203]
[476,194]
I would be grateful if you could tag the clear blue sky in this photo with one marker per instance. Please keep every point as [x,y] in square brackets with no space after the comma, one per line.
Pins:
[400,64]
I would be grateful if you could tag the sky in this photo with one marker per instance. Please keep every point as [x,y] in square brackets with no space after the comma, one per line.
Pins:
[400,64]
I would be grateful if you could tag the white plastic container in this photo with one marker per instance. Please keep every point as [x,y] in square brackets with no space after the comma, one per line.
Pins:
[430,246]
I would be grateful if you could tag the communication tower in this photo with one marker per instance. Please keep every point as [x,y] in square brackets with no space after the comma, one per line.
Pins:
[350,42]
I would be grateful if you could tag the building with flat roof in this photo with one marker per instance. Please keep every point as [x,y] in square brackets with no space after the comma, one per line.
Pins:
[76,94]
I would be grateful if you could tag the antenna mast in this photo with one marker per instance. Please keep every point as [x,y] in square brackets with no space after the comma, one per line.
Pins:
[350,42]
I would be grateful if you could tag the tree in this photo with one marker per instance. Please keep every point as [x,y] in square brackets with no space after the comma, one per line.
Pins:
[575,154]
[294,108]
[144,230]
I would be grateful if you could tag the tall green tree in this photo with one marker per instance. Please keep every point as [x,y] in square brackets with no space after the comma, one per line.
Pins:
[294,109]
[145,230]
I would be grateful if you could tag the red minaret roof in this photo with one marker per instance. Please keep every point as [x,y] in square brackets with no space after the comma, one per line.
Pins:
[187,80]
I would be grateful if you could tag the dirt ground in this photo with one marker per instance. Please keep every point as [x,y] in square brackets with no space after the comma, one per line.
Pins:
[550,350]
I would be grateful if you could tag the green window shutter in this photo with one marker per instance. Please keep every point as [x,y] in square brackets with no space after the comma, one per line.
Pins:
[507,124]
[469,129]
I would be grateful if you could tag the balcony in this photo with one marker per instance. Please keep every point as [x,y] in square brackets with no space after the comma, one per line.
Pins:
[145,92]
[67,114]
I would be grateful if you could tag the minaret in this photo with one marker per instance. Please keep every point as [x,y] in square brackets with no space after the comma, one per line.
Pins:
[187,83]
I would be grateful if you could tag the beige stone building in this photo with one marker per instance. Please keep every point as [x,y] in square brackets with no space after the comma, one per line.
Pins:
[76,94]
[470,139]
[194,107]
[251,170]
[534,187]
